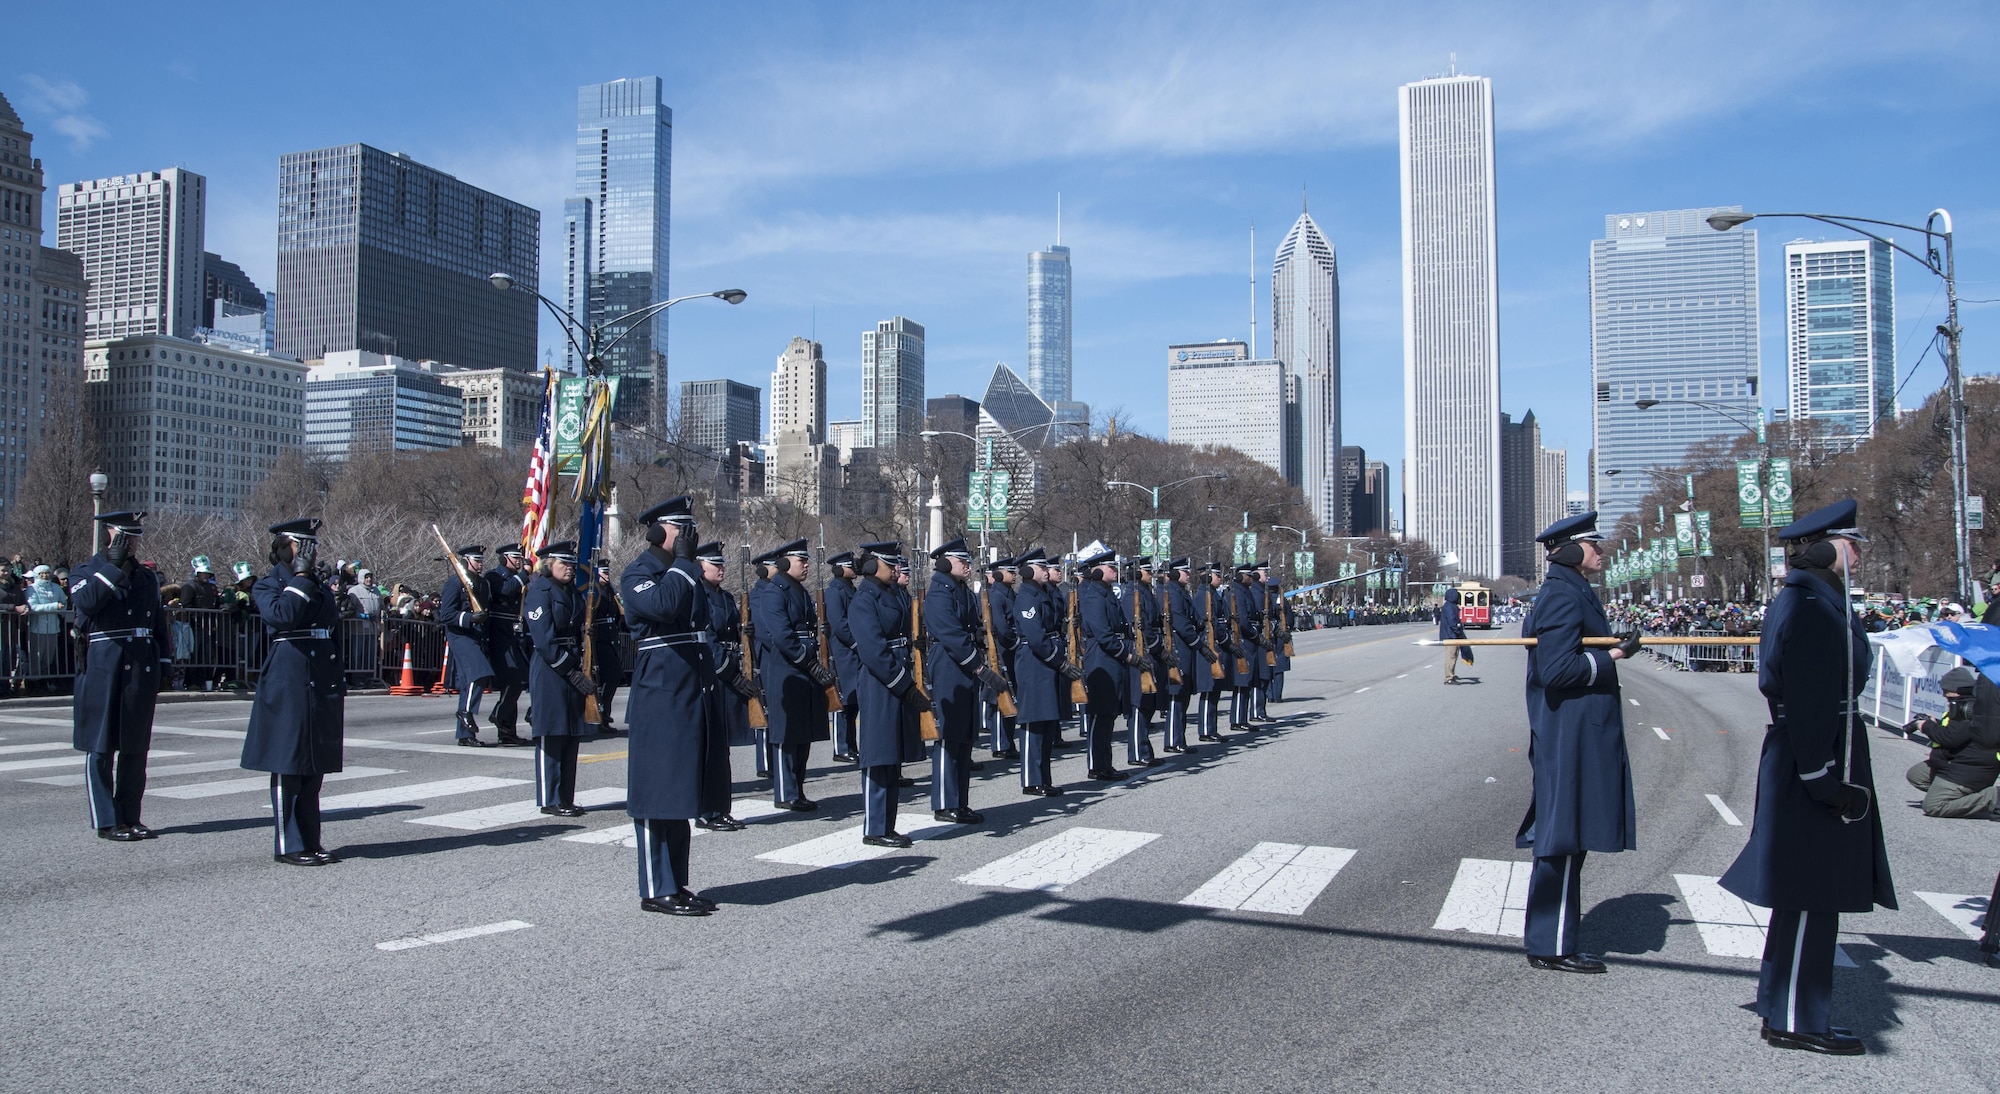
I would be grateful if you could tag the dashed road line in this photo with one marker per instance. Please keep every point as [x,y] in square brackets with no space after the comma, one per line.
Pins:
[1662,733]
[1489,896]
[458,935]
[1728,815]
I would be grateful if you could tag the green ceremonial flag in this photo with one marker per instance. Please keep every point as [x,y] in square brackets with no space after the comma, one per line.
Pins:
[1685,543]
[1781,492]
[1704,529]
[1749,494]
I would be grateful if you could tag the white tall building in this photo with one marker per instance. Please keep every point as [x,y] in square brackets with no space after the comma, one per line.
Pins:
[798,392]
[1451,319]
[1305,335]
[892,383]
[140,238]
[1218,397]
[1840,335]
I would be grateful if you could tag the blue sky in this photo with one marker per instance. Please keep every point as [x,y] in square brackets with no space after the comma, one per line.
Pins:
[845,162]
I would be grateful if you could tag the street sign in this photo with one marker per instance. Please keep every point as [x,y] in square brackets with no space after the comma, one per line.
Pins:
[1685,544]
[1698,581]
[1777,562]
[1975,512]
[1749,493]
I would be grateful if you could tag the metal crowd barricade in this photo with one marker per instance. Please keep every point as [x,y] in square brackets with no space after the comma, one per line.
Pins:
[38,646]
[1705,658]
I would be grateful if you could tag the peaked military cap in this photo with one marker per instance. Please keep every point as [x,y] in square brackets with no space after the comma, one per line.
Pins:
[1144,562]
[302,528]
[561,551]
[678,509]
[513,550]
[881,547]
[1099,559]
[711,551]
[1246,568]
[796,548]
[955,549]
[1181,563]
[756,560]
[472,551]
[1582,526]
[122,521]
[1838,519]
[844,558]
[1034,556]
[1006,564]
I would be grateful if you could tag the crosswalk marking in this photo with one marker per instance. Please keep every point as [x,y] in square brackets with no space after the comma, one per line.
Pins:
[745,809]
[1967,913]
[414,792]
[453,936]
[493,816]
[200,768]
[1488,896]
[1063,859]
[617,833]
[1283,878]
[1731,926]
[1662,733]
[74,760]
[9,750]
[844,848]
[1728,815]
[259,782]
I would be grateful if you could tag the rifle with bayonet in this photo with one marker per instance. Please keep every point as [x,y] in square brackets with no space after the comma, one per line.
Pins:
[1211,599]
[749,636]
[927,727]
[1002,697]
[1142,656]
[1077,692]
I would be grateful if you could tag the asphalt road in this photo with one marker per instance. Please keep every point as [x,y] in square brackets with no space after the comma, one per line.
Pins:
[1321,904]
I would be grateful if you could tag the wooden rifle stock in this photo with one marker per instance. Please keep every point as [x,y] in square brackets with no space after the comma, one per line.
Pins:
[1146,685]
[1211,599]
[1077,692]
[747,632]
[1236,629]
[1003,698]
[1167,617]
[833,705]
[458,567]
[927,727]
[591,712]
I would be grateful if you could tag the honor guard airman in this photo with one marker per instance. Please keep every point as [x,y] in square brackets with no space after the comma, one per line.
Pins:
[788,668]
[839,594]
[888,701]
[1242,621]
[465,636]
[607,625]
[297,720]
[729,718]
[1042,672]
[1278,628]
[1213,604]
[1191,654]
[1815,847]
[760,736]
[118,606]
[1151,636]
[958,668]
[667,710]
[506,642]
[1003,578]
[552,610]
[1109,655]
[1582,799]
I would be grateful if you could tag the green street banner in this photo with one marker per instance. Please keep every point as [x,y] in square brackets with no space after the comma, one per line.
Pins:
[572,406]
[1156,538]
[1749,494]
[1703,530]
[1685,543]
[1302,566]
[1781,492]
[986,501]
[1246,547]
[1374,579]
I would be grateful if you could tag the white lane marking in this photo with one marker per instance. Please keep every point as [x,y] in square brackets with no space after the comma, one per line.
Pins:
[72,760]
[1731,926]
[415,792]
[10,750]
[1967,913]
[1283,878]
[1662,733]
[453,936]
[1403,676]
[743,809]
[1489,896]
[257,783]
[1358,691]
[493,816]
[1634,702]
[839,850]
[1061,860]
[1728,815]
[622,834]
[443,750]
[152,772]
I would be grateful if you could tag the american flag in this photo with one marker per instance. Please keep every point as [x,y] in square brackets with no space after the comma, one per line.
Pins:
[537,495]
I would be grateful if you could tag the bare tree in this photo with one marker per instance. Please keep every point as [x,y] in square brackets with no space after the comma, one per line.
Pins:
[50,520]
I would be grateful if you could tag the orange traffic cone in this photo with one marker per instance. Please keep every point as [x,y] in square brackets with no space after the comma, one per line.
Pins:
[444,673]
[409,684]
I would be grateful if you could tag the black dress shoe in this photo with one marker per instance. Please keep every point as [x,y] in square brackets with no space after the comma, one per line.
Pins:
[801,805]
[143,832]
[906,782]
[1034,791]
[1172,748]
[1575,962]
[948,816]
[1010,754]
[1189,748]
[967,816]
[727,823]
[1052,791]
[514,741]
[1150,761]
[325,857]
[299,858]
[697,899]
[474,742]
[119,834]
[845,758]
[562,811]
[1109,775]
[892,839]
[1834,1042]
[672,905]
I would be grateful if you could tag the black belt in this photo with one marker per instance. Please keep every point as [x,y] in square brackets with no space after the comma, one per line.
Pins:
[306,634]
[503,615]
[134,632]
[898,643]
[660,642]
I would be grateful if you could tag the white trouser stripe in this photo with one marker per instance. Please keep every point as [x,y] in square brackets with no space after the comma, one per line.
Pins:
[1792,989]
[1562,913]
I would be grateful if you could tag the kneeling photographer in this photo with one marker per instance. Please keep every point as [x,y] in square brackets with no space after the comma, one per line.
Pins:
[1957,777]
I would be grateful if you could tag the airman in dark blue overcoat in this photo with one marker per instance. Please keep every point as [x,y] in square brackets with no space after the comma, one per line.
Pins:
[1277,628]
[552,612]
[607,624]
[297,720]
[1582,799]
[1003,576]
[1191,654]
[117,602]
[729,701]
[887,699]
[507,646]
[1041,672]
[1212,601]
[1241,622]
[788,669]
[1815,847]
[839,594]
[465,638]
[1151,641]
[1108,656]
[957,664]
[668,707]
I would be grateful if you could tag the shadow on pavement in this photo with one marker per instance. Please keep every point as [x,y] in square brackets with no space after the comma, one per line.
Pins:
[1632,923]
[777,890]
[499,837]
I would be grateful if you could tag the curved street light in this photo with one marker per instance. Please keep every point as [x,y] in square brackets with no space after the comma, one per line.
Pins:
[593,333]
[1941,263]
[1155,490]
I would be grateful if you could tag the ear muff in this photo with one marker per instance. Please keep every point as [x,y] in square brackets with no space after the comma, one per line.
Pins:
[941,565]
[867,565]
[656,534]
[1569,554]
[1820,556]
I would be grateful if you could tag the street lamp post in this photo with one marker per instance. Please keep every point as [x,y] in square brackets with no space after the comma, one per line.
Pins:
[1943,264]
[1661,477]
[588,340]
[985,464]
[1763,567]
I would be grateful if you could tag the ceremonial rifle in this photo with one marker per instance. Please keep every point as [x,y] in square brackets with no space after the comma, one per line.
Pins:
[833,704]
[1146,686]
[1211,598]
[1077,692]
[591,713]
[927,727]
[747,633]
[458,567]
[1002,698]
[1236,629]
[1167,616]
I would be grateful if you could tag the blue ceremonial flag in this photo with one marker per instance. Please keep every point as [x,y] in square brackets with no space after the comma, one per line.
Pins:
[1978,643]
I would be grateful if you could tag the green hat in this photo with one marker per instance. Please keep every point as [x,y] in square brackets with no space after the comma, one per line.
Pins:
[240,569]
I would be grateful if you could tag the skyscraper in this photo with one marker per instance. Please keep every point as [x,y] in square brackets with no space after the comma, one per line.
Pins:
[1673,316]
[798,392]
[1048,323]
[1451,319]
[1520,464]
[718,415]
[615,231]
[1305,335]
[892,384]
[1840,336]
[379,252]
[140,239]
[1218,397]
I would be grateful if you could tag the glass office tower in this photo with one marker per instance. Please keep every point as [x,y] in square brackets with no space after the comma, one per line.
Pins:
[1048,324]
[1673,316]
[1840,336]
[615,233]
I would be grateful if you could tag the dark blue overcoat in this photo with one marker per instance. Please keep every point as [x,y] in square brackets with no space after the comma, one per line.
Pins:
[846,666]
[951,622]
[465,639]
[1801,856]
[1449,626]
[725,651]
[671,677]
[788,638]
[1107,637]
[1184,618]
[1038,682]
[553,614]
[885,729]
[299,713]
[121,676]
[1583,779]
[1279,611]
[506,646]
[1240,605]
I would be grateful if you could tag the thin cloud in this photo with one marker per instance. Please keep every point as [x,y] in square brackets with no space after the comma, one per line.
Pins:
[66,103]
